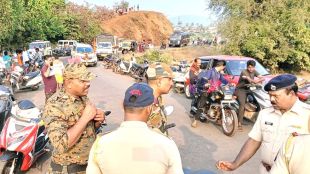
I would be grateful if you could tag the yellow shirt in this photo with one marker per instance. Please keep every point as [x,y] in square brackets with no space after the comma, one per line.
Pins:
[272,128]
[134,148]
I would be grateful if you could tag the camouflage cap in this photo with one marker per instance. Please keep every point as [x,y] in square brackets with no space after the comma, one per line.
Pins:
[159,70]
[77,71]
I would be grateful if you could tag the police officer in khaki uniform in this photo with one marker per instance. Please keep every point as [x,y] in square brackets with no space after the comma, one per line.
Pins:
[134,148]
[160,80]
[294,156]
[71,120]
[274,124]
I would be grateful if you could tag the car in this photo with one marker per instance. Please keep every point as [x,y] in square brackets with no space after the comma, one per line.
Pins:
[86,54]
[304,91]
[234,66]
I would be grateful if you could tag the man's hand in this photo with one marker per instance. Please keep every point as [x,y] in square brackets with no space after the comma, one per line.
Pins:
[99,117]
[226,166]
[89,112]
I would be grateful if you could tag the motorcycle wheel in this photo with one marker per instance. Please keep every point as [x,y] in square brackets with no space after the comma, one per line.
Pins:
[229,127]
[187,91]
[33,88]
[4,167]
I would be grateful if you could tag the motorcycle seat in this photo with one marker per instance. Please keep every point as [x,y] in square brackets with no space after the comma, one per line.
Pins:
[25,104]
[32,74]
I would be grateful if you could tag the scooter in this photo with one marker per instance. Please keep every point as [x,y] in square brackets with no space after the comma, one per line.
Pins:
[19,81]
[257,99]
[6,103]
[23,139]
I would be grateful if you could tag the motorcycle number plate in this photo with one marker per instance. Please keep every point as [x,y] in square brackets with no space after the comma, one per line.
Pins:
[252,88]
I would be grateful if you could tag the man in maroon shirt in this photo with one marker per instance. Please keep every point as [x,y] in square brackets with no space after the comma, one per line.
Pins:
[49,80]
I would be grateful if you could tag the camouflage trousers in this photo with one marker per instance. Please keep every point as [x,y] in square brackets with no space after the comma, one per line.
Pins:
[53,172]
[50,171]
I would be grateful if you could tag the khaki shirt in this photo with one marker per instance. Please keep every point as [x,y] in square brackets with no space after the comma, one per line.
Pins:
[272,128]
[294,157]
[61,112]
[134,149]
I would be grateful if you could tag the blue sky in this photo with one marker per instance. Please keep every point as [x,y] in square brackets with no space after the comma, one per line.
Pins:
[186,10]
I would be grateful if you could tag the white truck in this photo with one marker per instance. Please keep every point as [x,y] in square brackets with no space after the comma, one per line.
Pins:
[106,45]
[44,47]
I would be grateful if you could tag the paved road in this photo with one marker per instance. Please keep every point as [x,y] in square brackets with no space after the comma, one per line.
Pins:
[200,148]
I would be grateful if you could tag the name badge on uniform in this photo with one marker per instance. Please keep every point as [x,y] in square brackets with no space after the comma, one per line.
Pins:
[268,123]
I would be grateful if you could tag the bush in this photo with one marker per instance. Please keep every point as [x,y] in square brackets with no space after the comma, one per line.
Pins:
[155,56]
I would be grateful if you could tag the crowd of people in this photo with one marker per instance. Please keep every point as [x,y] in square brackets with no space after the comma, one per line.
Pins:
[142,145]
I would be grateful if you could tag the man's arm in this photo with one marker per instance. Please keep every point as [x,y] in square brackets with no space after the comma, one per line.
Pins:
[248,150]
[62,137]
[46,71]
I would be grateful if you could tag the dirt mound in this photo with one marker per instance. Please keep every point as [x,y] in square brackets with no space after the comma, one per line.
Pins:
[140,25]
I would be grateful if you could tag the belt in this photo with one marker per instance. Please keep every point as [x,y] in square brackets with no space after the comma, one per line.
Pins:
[71,168]
[267,166]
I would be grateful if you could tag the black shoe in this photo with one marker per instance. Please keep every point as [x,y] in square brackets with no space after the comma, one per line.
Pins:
[192,114]
[245,123]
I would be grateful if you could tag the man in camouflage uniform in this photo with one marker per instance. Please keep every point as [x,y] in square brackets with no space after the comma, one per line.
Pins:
[160,80]
[71,120]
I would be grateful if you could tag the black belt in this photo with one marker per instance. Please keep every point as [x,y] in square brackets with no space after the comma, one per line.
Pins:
[71,168]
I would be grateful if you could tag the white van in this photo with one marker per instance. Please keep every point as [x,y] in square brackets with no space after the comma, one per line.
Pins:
[44,47]
[86,53]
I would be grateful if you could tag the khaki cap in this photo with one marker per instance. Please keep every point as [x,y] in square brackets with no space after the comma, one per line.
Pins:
[77,71]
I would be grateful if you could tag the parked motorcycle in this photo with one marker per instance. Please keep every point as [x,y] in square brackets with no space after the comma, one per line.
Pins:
[19,81]
[139,71]
[219,108]
[6,103]
[108,62]
[23,139]
[3,74]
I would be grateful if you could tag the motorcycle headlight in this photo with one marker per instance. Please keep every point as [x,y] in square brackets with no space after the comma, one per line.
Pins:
[26,77]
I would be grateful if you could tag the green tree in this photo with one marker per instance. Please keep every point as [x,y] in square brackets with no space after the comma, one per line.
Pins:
[276,32]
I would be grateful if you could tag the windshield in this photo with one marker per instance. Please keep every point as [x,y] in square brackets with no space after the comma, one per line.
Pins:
[175,36]
[36,45]
[84,50]
[126,44]
[234,67]
[104,45]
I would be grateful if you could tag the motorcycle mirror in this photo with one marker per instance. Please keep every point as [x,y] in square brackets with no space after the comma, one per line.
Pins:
[168,110]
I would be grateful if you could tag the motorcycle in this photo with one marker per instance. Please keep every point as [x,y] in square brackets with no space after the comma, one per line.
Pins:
[219,108]
[3,74]
[108,62]
[6,103]
[23,139]
[139,71]
[257,99]
[19,81]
